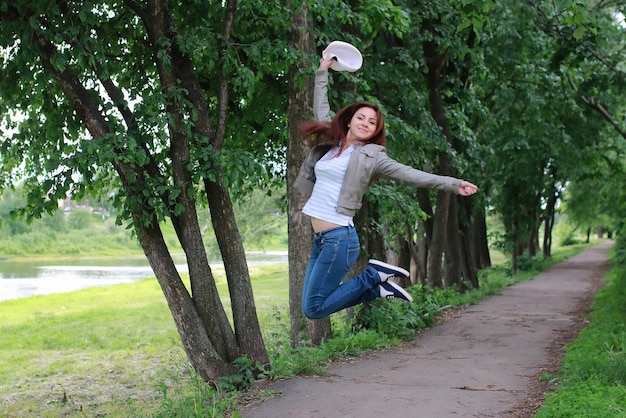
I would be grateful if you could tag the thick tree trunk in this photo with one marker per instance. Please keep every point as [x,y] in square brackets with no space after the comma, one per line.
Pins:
[549,225]
[438,241]
[204,292]
[371,236]
[421,259]
[479,242]
[470,271]
[533,239]
[404,260]
[247,328]
[300,232]
[424,235]
[200,351]
[437,65]
[203,289]
[453,271]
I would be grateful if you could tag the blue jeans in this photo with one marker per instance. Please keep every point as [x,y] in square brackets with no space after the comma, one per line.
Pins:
[334,253]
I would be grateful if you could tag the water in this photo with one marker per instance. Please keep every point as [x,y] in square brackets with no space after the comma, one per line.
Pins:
[19,279]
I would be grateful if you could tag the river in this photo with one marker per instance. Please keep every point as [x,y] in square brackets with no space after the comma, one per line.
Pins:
[20,279]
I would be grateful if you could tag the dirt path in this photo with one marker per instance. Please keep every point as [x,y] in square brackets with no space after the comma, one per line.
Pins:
[485,361]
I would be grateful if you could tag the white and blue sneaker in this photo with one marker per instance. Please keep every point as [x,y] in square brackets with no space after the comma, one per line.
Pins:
[386,271]
[391,290]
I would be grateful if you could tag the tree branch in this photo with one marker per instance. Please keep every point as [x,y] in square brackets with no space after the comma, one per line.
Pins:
[597,106]
[222,112]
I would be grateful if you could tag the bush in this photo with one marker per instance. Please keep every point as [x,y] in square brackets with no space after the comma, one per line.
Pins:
[566,235]
[399,319]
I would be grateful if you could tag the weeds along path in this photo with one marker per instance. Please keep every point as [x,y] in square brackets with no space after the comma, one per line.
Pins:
[486,361]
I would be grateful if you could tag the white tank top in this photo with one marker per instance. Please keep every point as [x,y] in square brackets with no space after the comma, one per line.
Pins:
[329,173]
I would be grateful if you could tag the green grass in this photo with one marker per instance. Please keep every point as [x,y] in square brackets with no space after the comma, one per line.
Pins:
[592,381]
[84,346]
[110,350]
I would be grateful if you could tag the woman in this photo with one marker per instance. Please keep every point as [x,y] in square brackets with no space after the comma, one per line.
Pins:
[349,154]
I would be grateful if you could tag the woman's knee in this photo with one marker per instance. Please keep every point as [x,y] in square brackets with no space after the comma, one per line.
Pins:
[312,312]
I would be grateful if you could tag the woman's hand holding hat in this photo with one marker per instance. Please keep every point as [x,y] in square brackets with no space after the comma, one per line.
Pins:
[345,56]
[326,62]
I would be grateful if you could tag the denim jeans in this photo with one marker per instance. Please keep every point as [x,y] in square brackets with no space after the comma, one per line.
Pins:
[334,253]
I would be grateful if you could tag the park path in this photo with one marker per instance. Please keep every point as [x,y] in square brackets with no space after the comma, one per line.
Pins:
[484,362]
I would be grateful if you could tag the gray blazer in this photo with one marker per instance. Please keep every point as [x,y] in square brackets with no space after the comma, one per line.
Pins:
[367,163]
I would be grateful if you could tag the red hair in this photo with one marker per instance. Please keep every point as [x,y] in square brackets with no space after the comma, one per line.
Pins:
[335,131]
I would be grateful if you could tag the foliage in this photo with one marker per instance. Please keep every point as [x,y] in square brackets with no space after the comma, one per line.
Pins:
[597,201]
[78,233]
[400,320]
[565,234]
[620,248]
[542,139]
[244,378]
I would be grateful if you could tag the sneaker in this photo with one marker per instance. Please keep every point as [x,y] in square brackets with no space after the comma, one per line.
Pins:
[387,270]
[391,290]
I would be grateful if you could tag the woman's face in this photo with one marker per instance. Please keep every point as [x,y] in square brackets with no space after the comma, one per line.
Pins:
[362,125]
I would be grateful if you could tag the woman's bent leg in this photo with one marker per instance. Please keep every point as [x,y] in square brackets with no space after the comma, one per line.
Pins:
[334,253]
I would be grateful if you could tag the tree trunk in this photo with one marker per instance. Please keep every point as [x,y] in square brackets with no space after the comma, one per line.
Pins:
[203,289]
[194,337]
[452,260]
[371,236]
[404,260]
[300,232]
[469,268]
[549,224]
[421,260]
[515,254]
[479,242]
[437,65]
[438,241]
[247,328]
[424,235]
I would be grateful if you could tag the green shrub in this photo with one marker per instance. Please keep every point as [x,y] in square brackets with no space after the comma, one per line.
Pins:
[400,320]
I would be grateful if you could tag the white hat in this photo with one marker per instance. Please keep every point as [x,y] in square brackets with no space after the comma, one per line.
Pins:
[347,56]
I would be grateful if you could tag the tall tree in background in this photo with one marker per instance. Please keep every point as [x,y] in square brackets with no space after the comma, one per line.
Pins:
[300,109]
[539,138]
[417,67]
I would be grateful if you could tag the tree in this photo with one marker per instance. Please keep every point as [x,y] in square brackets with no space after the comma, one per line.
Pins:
[300,105]
[537,137]
[108,92]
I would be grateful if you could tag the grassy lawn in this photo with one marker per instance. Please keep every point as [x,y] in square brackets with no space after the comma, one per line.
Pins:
[103,351]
